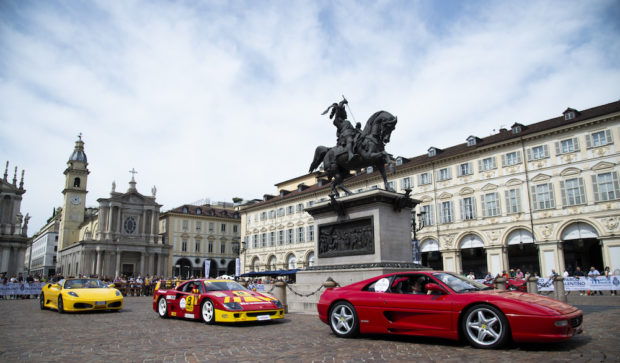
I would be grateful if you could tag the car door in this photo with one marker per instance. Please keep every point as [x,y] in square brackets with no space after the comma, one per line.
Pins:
[52,291]
[416,313]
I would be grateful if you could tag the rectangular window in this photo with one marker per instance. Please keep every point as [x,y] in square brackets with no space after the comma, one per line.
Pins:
[300,234]
[538,153]
[272,214]
[309,203]
[197,245]
[290,210]
[211,227]
[272,238]
[573,191]
[263,216]
[605,186]
[280,237]
[184,245]
[487,164]
[490,205]
[211,245]
[263,239]
[567,146]
[465,169]
[254,241]
[542,196]
[235,228]
[223,228]
[198,225]
[310,233]
[599,138]
[300,208]
[513,201]
[391,185]
[280,212]
[424,179]
[223,248]
[513,158]
[289,236]
[427,215]
[468,208]
[185,223]
[444,174]
[446,212]
[405,183]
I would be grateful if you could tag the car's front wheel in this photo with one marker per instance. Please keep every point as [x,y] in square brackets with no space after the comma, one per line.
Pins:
[343,320]
[61,307]
[42,301]
[485,326]
[207,311]
[162,307]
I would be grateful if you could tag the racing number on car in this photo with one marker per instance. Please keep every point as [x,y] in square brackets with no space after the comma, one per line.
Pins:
[189,303]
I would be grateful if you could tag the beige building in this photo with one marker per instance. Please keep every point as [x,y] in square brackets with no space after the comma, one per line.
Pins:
[201,233]
[120,236]
[537,197]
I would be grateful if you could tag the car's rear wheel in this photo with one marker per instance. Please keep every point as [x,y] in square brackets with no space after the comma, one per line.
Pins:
[343,320]
[207,311]
[485,326]
[61,307]
[162,307]
[42,301]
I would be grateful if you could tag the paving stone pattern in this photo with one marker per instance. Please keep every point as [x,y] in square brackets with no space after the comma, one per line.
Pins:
[137,334]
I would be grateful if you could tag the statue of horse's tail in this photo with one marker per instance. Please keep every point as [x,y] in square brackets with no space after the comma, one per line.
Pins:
[319,154]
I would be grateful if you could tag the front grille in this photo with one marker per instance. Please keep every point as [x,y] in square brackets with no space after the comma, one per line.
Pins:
[114,304]
[82,306]
[253,315]
[575,322]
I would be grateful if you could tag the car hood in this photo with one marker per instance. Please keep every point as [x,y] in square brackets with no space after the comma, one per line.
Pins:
[93,293]
[249,300]
[532,299]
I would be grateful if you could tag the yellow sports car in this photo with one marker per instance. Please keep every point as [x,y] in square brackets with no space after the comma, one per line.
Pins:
[80,295]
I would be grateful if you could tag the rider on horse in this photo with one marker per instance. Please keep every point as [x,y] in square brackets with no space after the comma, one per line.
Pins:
[346,133]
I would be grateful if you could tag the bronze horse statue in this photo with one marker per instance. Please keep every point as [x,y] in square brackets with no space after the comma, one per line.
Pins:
[369,150]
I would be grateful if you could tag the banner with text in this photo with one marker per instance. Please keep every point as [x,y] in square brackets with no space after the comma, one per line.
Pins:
[15,288]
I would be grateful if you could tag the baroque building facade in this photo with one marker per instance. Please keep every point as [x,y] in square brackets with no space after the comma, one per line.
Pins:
[537,197]
[13,225]
[119,237]
[201,235]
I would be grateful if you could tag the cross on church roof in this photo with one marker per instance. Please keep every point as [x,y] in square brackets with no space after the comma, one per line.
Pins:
[80,136]
[133,173]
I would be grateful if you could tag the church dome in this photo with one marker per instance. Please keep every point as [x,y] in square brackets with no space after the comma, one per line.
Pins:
[78,153]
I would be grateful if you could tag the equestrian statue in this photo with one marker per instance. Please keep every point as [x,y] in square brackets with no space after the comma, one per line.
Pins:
[355,148]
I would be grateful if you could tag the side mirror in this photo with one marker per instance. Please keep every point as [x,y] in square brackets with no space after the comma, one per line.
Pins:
[434,288]
[111,285]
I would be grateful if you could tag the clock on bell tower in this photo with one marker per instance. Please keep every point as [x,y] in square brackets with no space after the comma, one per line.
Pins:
[74,202]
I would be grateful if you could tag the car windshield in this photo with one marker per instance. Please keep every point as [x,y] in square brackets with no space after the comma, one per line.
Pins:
[222,286]
[84,284]
[459,283]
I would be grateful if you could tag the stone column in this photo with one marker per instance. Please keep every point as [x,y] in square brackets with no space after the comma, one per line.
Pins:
[558,289]
[279,291]
[118,263]
[98,262]
[532,285]
[151,262]
[500,283]
[141,264]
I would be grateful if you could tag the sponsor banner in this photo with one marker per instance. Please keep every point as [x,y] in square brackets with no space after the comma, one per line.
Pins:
[207,268]
[14,288]
[237,266]
[583,283]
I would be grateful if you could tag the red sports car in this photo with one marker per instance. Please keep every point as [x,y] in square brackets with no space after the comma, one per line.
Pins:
[445,305]
[214,301]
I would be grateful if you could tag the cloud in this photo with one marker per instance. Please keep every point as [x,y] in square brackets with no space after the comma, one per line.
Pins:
[223,99]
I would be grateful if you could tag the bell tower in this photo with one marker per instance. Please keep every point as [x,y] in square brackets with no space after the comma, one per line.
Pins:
[74,192]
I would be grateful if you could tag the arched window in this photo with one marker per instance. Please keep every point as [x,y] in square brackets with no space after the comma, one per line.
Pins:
[272,263]
[76,182]
[292,262]
[311,259]
[256,264]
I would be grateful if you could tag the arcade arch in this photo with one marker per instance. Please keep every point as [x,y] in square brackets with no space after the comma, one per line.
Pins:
[582,247]
[522,251]
[430,254]
[473,255]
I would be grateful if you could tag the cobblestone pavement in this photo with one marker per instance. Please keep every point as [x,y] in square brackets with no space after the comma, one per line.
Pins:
[137,334]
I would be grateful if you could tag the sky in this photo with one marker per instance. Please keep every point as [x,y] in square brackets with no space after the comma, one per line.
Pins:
[223,99]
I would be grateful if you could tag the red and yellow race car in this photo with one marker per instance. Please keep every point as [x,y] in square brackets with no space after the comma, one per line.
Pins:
[214,301]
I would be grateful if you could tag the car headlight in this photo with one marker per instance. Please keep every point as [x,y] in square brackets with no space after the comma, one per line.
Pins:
[560,323]
[233,306]
[277,303]
[118,293]
[72,293]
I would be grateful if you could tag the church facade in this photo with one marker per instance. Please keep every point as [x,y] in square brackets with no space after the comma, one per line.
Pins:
[13,225]
[119,237]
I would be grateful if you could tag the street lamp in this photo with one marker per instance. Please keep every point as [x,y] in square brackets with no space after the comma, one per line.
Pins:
[416,228]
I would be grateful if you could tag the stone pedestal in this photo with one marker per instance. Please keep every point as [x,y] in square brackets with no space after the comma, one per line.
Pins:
[358,237]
